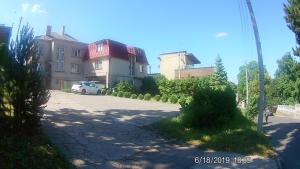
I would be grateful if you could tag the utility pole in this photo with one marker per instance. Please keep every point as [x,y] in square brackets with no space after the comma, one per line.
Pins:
[261,103]
[247,86]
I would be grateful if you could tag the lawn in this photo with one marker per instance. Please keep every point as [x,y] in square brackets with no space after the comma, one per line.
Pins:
[239,136]
[30,152]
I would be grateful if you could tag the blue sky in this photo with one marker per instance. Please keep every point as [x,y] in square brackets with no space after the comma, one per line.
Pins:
[206,28]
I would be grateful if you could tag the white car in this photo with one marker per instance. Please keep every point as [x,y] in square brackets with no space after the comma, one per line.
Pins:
[86,88]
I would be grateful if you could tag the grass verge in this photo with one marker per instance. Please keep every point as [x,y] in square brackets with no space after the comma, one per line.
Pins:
[239,136]
[34,152]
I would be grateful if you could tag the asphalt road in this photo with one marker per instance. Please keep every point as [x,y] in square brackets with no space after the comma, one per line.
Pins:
[285,137]
[105,132]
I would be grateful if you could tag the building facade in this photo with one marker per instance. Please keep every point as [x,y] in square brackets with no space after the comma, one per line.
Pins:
[110,61]
[178,65]
[65,60]
[5,33]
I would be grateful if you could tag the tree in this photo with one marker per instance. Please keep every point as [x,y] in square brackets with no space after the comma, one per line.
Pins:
[252,69]
[292,11]
[284,88]
[220,76]
[24,86]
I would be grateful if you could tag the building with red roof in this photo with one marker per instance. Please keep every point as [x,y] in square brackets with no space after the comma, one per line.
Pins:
[67,60]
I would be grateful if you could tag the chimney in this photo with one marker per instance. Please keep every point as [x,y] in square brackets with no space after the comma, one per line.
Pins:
[63,30]
[48,30]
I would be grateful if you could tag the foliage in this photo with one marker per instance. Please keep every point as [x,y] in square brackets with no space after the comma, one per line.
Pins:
[108,92]
[120,94]
[127,94]
[24,85]
[210,107]
[164,98]
[173,99]
[157,97]
[147,96]
[104,90]
[125,86]
[220,76]
[141,96]
[292,11]
[228,138]
[133,96]
[284,88]
[34,151]
[252,109]
[115,93]
[149,85]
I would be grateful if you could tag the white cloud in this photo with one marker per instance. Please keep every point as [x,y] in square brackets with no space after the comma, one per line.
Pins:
[221,34]
[25,7]
[33,8]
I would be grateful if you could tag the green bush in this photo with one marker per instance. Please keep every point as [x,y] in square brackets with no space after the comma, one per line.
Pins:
[210,107]
[157,97]
[115,93]
[120,94]
[133,96]
[173,99]
[108,92]
[124,86]
[164,98]
[149,85]
[147,96]
[23,85]
[252,109]
[103,91]
[127,94]
[141,96]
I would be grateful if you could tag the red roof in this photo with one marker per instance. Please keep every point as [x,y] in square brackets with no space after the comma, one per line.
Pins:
[111,48]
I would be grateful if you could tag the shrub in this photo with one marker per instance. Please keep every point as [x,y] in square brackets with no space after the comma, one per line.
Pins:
[149,85]
[210,107]
[173,99]
[133,96]
[124,86]
[120,94]
[164,98]
[108,92]
[141,97]
[23,84]
[157,97]
[115,93]
[147,96]
[103,91]
[127,94]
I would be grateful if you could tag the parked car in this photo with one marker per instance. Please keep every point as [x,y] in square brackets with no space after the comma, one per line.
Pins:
[99,84]
[86,88]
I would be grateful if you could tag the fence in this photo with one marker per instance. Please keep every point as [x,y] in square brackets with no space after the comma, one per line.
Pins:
[292,111]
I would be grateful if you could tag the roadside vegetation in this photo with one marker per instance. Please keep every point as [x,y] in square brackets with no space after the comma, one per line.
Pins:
[211,120]
[23,95]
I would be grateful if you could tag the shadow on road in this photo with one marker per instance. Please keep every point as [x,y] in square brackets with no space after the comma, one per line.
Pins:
[285,137]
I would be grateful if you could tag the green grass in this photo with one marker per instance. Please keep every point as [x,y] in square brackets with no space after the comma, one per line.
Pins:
[238,136]
[30,152]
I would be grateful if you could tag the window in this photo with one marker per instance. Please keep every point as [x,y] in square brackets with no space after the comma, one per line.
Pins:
[39,50]
[99,47]
[60,59]
[98,64]
[75,68]
[76,52]
[141,69]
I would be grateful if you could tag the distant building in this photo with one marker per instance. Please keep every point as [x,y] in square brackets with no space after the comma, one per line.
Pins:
[5,33]
[178,65]
[61,56]
[66,60]
[110,61]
